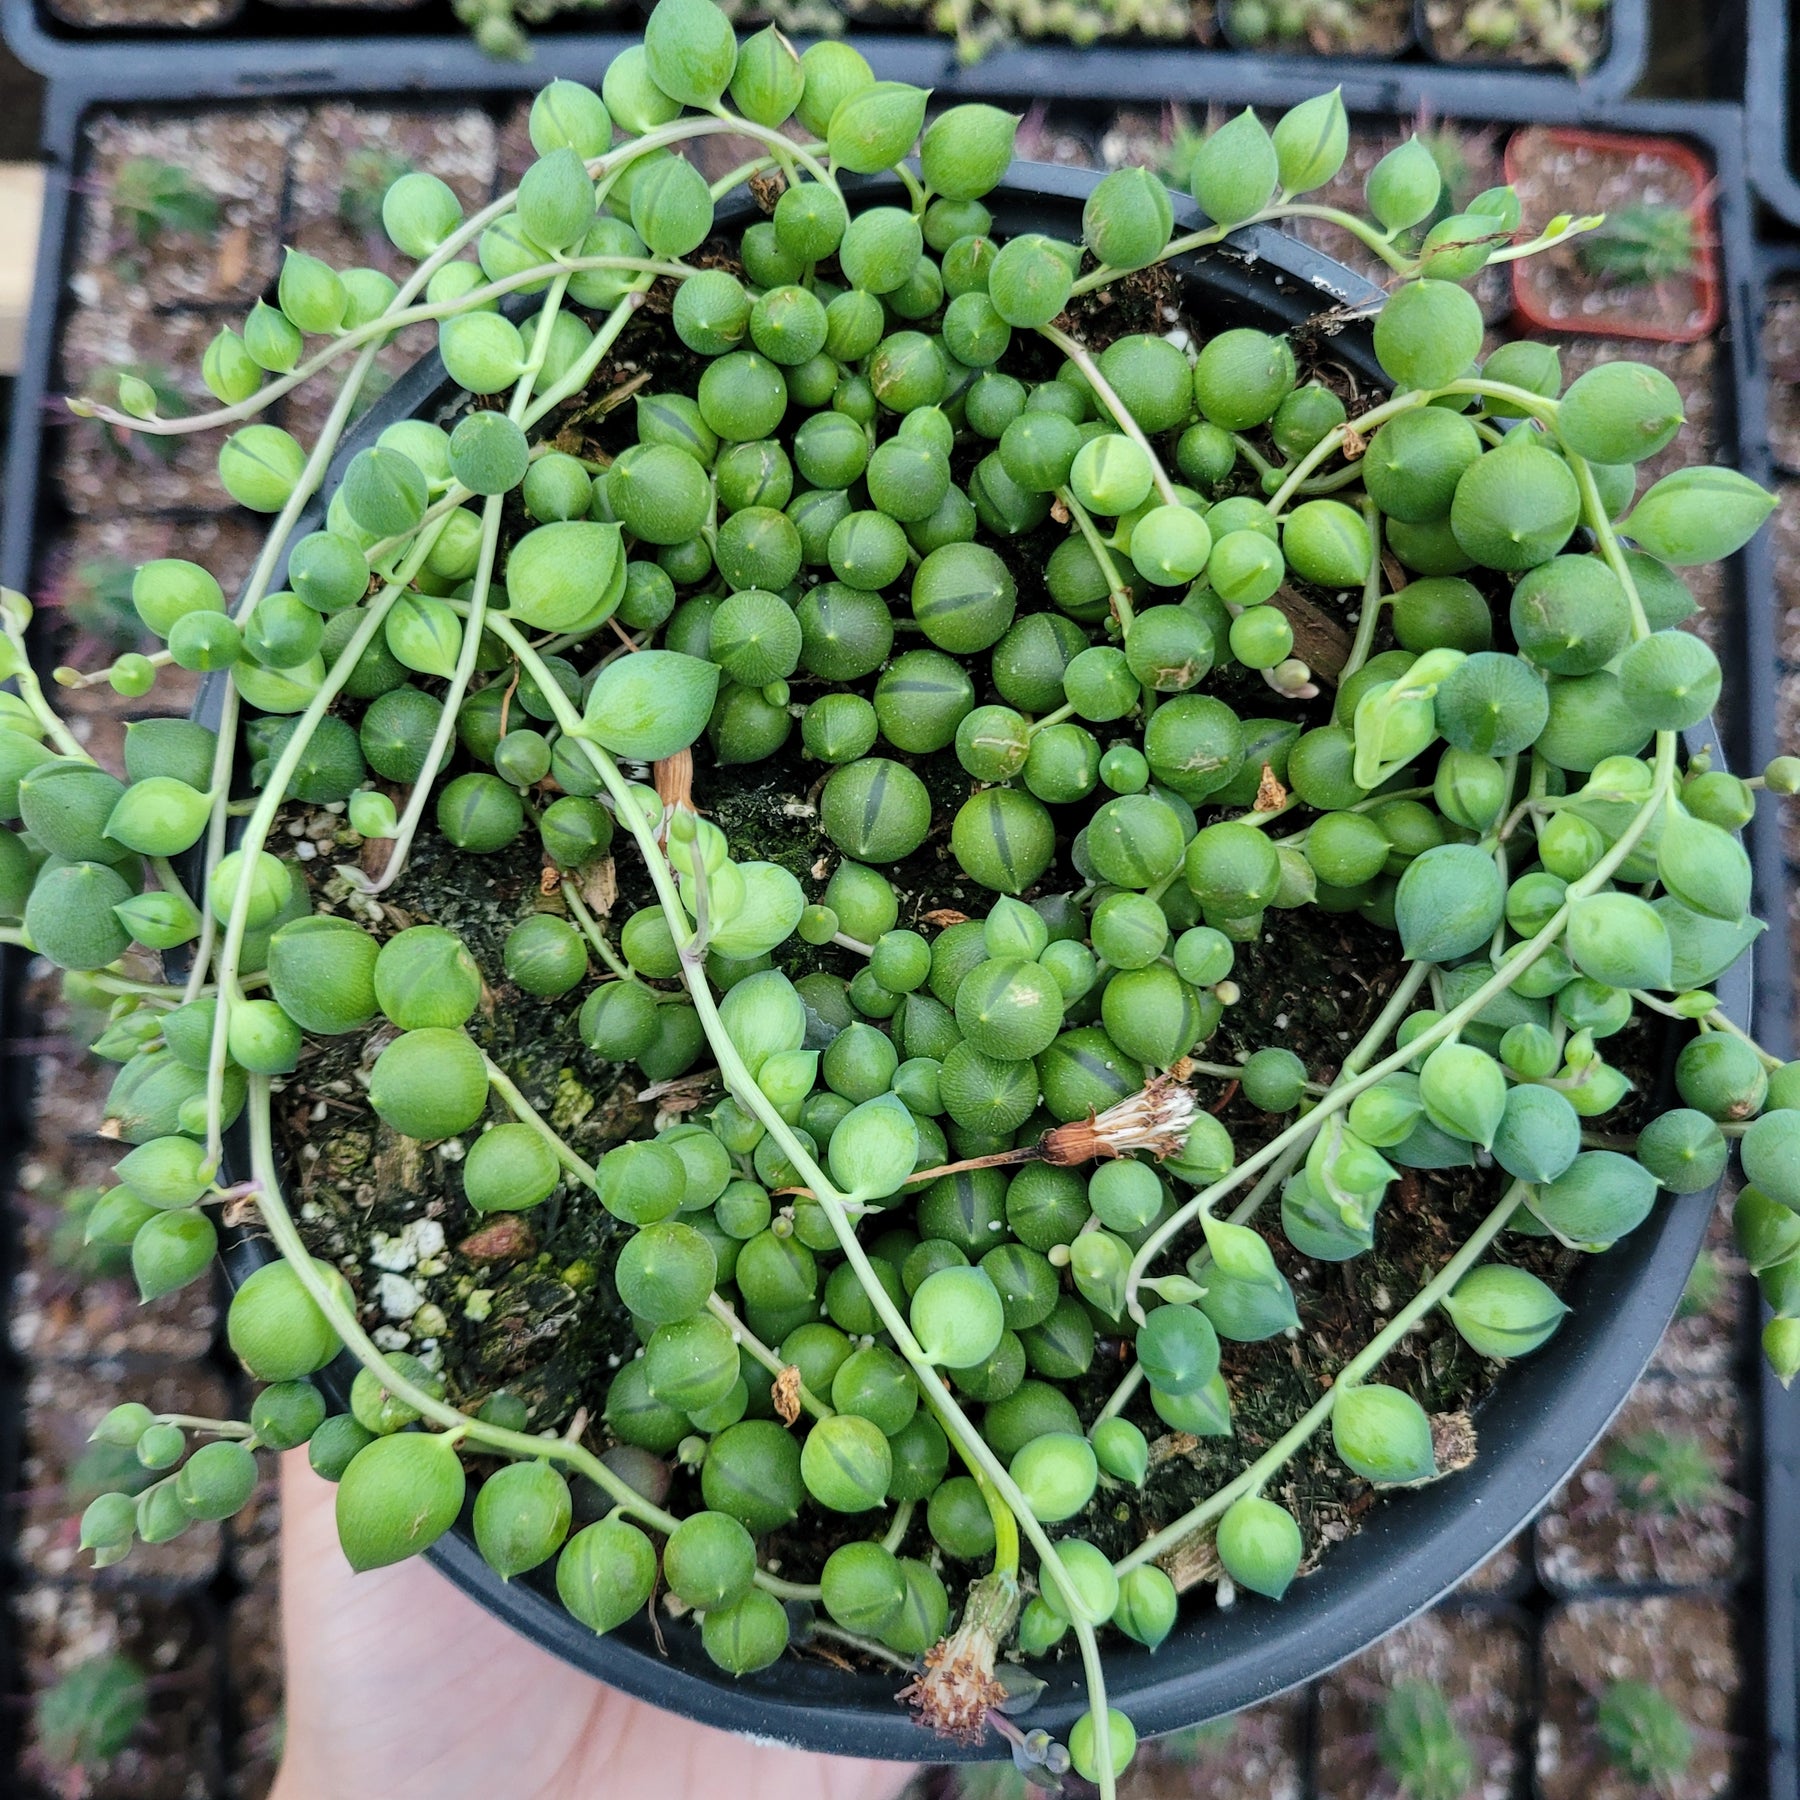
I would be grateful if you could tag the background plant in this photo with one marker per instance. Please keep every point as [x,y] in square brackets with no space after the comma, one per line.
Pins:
[917,1184]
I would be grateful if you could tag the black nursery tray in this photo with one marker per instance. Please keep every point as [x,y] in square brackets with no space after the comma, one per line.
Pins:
[1770,116]
[409,43]
[35,511]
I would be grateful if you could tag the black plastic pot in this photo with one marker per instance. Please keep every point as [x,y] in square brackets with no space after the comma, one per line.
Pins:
[1541,1418]
[424,45]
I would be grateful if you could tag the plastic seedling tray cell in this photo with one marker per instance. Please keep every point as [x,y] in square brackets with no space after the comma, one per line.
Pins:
[1559,293]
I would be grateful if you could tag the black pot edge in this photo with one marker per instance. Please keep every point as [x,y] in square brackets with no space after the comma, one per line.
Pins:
[1418,1546]
[1717,127]
[231,61]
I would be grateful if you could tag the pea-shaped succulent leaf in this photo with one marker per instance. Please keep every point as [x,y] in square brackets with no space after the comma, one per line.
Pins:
[874,1148]
[1084,1746]
[1704,867]
[429,1084]
[1383,1434]
[690,50]
[1599,1199]
[671,205]
[846,1463]
[1236,170]
[260,466]
[958,1317]
[1620,939]
[1619,412]
[287,1413]
[606,1572]
[1771,1153]
[418,212]
[1448,902]
[1699,515]
[568,115]
[1127,218]
[1502,1311]
[1259,1544]
[172,1249]
[1539,1133]
[1057,1472]
[1428,333]
[1464,1092]
[1178,1349]
[876,126]
[1670,679]
[1403,188]
[650,705]
[216,1480]
[966,149]
[768,81]
[399,1495]
[1310,142]
[709,1560]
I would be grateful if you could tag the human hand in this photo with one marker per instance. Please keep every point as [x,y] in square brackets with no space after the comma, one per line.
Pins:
[399,1686]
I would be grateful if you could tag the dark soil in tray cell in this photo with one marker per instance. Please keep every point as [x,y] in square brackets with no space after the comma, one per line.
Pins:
[238,159]
[145,15]
[1556,177]
[253,1647]
[1572,35]
[102,470]
[1477,1659]
[1685,1648]
[345,157]
[1257,1752]
[176,1753]
[1373,28]
[1706,1335]
[1658,1502]
[63,1471]
[1781,354]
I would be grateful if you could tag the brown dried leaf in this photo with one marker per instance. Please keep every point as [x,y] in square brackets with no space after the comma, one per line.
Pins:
[786,1394]
[1271,796]
[946,915]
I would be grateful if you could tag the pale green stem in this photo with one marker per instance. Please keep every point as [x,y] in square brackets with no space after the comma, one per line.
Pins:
[527,1114]
[895,1535]
[1118,593]
[590,929]
[256,832]
[746,1338]
[1534,405]
[1364,640]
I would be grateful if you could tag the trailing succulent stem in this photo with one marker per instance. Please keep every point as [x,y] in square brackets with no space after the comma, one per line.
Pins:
[876,1202]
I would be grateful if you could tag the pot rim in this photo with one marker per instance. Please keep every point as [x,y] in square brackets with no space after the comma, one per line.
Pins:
[1412,1549]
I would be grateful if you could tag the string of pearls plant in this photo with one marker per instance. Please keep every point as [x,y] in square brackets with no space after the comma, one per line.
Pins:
[919,1195]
